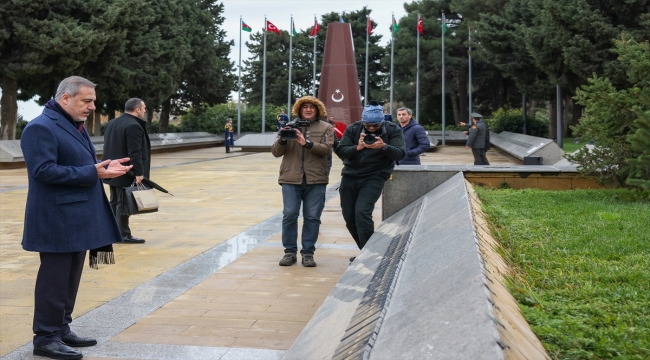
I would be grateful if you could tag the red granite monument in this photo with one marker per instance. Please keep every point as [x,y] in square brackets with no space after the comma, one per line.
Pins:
[339,81]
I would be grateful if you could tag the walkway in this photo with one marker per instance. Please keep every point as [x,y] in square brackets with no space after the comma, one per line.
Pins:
[206,284]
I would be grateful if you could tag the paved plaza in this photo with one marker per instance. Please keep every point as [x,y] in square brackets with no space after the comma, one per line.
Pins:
[206,284]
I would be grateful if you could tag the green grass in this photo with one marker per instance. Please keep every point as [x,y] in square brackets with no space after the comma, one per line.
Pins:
[582,264]
[569,146]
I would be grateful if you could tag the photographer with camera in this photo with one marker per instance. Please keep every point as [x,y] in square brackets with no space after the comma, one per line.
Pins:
[303,144]
[369,149]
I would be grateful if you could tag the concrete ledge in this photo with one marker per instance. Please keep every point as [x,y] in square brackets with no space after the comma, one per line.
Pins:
[520,146]
[11,155]
[256,142]
[434,304]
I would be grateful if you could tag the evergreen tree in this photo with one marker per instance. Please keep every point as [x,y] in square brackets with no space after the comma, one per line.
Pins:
[41,42]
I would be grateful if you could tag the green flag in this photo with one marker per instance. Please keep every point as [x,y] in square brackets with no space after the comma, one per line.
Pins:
[294,30]
[444,24]
[395,25]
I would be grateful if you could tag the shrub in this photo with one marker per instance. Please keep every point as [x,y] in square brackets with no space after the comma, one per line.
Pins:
[213,119]
[511,120]
[20,126]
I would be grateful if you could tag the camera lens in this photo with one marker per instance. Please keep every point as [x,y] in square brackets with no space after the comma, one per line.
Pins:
[370,139]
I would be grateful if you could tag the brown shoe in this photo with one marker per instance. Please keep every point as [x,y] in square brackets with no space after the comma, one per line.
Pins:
[308,260]
[288,259]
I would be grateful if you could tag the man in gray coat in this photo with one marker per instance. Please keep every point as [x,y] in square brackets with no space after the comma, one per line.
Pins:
[67,212]
[476,140]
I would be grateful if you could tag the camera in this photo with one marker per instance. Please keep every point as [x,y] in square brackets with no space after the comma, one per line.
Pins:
[290,134]
[370,139]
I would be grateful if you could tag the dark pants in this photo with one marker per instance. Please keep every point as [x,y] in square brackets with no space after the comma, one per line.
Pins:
[484,157]
[116,206]
[358,198]
[479,155]
[57,283]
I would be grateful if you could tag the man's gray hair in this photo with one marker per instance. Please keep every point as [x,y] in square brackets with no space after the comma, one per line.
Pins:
[71,86]
[132,104]
[405,109]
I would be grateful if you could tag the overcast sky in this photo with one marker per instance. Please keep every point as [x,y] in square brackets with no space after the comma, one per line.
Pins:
[279,13]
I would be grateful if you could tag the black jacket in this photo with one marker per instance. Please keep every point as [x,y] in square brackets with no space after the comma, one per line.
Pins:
[126,136]
[371,161]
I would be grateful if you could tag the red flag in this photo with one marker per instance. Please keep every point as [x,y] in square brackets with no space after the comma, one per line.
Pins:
[420,28]
[369,26]
[272,28]
[315,29]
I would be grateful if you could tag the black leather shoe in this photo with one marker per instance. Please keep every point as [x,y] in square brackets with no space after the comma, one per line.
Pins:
[130,239]
[75,340]
[57,350]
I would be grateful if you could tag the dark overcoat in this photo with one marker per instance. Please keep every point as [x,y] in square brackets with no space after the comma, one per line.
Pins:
[477,135]
[67,209]
[126,136]
[416,142]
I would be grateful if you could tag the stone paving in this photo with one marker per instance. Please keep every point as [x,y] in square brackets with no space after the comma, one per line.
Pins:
[239,304]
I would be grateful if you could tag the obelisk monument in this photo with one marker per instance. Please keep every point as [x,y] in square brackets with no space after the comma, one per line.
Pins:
[339,82]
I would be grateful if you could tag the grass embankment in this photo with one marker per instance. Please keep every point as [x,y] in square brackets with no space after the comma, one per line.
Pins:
[569,146]
[582,264]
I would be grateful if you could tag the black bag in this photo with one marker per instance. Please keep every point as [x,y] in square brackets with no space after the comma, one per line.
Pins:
[129,206]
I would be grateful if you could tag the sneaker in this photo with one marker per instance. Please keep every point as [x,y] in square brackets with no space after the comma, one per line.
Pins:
[288,259]
[352,259]
[308,260]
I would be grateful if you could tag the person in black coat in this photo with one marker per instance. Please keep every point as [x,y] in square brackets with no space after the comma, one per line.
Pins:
[67,212]
[126,136]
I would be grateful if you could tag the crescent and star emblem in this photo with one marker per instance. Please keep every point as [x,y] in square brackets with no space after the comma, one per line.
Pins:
[340,99]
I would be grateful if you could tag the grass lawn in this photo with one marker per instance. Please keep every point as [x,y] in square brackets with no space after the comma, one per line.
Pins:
[582,263]
[569,146]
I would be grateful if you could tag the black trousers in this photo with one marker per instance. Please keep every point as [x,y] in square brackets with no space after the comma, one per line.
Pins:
[116,206]
[484,157]
[479,154]
[358,198]
[57,283]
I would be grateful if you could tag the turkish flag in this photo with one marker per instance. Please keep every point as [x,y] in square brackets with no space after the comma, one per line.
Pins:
[272,28]
[420,28]
[369,26]
[315,29]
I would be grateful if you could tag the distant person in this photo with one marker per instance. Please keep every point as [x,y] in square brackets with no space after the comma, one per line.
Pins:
[476,140]
[229,135]
[303,177]
[415,137]
[126,136]
[281,120]
[67,212]
[369,149]
[387,116]
[476,118]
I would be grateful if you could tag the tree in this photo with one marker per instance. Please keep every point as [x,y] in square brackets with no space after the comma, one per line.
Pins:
[42,42]
[610,115]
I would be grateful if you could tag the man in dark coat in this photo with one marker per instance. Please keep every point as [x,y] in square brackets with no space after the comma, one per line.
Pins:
[369,149]
[416,140]
[126,136]
[476,140]
[67,212]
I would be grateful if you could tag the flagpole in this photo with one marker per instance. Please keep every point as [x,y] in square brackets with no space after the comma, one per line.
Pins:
[313,92]
[392,46]
[241,23]
[264,78]
[290,49]
[443,78]
[365,93]
[469,56]
[417,75]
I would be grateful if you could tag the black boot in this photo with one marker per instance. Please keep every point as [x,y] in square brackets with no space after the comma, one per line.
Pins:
[227,149]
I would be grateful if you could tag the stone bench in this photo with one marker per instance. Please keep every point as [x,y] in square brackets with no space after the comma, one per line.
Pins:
[424,287]
[521,146]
